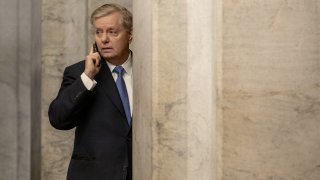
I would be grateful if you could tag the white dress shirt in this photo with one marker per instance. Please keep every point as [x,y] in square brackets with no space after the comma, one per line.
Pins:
[127,77]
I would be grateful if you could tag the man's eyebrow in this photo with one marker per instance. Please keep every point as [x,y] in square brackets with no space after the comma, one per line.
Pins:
[109,28]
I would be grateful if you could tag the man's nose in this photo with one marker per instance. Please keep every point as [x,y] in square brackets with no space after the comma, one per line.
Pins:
[105,38]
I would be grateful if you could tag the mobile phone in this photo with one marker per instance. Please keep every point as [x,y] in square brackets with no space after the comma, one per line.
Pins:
[95,49]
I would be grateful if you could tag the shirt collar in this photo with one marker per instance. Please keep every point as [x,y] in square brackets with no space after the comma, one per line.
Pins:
[127,65]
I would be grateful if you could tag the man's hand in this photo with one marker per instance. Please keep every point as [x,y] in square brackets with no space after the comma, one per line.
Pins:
[92,64]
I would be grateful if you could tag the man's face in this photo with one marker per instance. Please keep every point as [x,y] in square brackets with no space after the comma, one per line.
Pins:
[112,38]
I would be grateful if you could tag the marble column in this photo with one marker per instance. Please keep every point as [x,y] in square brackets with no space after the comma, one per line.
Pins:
[9,99]
[64,36]
[15,97]
[175,87]
[36,94]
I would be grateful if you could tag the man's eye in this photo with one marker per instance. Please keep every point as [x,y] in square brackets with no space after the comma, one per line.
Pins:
[113,33]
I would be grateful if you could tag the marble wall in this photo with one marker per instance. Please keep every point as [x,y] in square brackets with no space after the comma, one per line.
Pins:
[271,99]
[15,96]
[64,34]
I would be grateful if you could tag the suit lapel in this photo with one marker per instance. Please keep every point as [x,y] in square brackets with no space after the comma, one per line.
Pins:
[105,79]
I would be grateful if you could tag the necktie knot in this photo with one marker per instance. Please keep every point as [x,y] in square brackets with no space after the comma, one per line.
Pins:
[119,70]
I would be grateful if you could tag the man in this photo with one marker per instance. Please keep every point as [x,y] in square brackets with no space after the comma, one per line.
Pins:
[96,98]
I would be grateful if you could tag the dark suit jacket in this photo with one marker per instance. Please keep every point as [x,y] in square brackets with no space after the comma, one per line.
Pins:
[102,145]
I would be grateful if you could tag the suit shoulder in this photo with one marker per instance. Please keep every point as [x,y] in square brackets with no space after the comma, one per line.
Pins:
[76,67]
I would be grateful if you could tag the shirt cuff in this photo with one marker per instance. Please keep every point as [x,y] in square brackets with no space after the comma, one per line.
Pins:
[88,83]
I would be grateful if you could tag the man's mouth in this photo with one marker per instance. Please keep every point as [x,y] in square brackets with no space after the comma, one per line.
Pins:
[106,49]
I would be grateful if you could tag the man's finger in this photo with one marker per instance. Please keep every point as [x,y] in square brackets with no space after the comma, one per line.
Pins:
[91,50]
[98,58]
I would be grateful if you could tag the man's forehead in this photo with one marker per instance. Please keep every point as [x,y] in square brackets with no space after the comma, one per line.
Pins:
[105,23]
[115,17]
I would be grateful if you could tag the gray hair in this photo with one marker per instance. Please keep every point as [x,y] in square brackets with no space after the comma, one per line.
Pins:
[108,9]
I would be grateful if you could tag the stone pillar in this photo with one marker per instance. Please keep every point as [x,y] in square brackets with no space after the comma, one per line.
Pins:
[36,94]
[64,38]
[175,87]
[9,99]
[15,43]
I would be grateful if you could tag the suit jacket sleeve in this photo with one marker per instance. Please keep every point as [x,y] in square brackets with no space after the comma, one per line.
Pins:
[67,108]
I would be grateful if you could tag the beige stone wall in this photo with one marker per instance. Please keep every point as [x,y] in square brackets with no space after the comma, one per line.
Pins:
[271,98]
[15,97]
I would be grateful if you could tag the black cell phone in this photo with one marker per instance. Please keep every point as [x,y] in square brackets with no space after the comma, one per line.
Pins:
[95,49]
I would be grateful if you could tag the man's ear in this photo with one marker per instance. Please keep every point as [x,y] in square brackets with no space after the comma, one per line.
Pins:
[130,37]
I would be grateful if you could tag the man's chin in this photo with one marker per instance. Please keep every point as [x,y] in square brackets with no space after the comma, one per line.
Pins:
[107,56]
